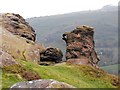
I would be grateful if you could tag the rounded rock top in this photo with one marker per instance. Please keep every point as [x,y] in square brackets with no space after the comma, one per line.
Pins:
[85,27]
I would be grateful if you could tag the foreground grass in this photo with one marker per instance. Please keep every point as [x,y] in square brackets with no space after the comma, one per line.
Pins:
[9,79]
[78,76]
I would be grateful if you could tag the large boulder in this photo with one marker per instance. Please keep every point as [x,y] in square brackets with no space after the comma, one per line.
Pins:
[41,83]
[17,25]
[51,55]
[33,53]
[80,45]
[18,41]
[20,48]
[6,59]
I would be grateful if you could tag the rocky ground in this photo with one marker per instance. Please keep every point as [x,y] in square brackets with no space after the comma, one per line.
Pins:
[18,43]
[21,56]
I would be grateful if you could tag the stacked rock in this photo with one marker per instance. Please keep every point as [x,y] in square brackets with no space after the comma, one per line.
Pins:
[80,45]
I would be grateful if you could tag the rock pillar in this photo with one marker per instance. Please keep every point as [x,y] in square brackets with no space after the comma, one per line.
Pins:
[80,45]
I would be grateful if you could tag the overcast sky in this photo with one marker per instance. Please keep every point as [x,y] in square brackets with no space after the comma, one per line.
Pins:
[34,8]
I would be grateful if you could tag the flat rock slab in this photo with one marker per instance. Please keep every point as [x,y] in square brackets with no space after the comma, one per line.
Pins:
[41,83]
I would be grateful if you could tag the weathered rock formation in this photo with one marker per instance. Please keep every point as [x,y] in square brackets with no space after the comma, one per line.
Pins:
[42,83]
[17,39]
[80,46]
[17,25]
[17,43]
[6,59]
[51,55]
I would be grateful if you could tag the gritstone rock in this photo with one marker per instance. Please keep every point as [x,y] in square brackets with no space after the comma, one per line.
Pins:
[51,55]
[41,83]
[6,59]
[18,40]
[80,46]
[17,25]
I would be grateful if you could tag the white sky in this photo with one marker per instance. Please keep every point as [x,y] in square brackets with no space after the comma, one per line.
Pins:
[33,8]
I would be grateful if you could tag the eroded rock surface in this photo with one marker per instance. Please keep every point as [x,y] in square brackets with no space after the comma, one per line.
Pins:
[51,55]
[80,45]
[17,38]
[20,48]
[17,25]
[42,83]
[6,59]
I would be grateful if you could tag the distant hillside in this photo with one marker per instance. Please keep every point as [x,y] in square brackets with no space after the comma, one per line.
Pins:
[50,28]
[113,69]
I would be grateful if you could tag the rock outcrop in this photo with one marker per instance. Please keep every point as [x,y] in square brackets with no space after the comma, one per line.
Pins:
[17,25]
[80,46]
[6,59]
[20,48]
[15,47]
[51,55]
[42,83]
[18,39]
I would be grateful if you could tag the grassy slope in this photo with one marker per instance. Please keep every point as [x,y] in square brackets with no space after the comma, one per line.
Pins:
[9,79]
[0,79]
[78,76]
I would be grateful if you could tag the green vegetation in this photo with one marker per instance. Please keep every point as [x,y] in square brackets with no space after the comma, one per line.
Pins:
[0,78]
[16,73]
[11,75]
[78,76]
[8,79]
